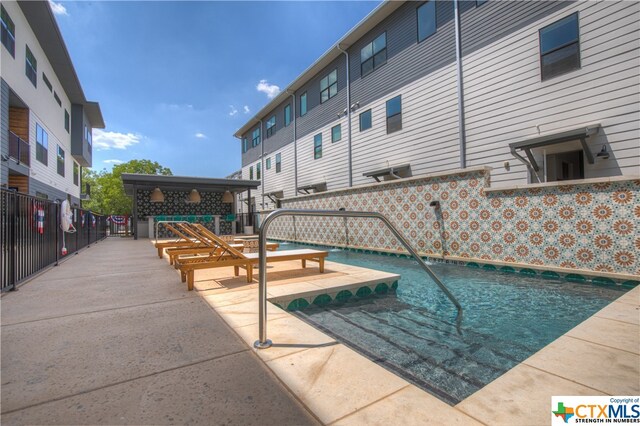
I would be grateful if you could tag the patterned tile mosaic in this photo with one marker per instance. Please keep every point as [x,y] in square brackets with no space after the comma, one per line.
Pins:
[587,226]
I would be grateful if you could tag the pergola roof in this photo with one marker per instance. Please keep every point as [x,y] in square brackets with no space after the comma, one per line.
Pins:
[184,183]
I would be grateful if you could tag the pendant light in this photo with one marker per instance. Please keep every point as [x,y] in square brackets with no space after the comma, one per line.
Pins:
[194,197]
[227,198]
[157,196]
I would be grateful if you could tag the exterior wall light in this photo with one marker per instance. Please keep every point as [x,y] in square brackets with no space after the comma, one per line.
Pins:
[604,154]
[157,196]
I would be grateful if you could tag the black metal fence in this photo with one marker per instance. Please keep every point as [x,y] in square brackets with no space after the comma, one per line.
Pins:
[32,238]
[246,219]
[119,225]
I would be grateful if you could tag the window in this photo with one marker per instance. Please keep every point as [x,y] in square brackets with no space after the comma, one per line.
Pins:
[67,120]
[255,137]
[278,163]
[76,174]
[7,31]
[57,98]
[287,115]
[271,126]
[373,54]
[365,120]
[245,145]
[303,104]
[560,47]
[42,145]
[60,161]
[269,163]
[258,171]
[251,173]
[565,166]
[47,82]
[394,114]
[329,86]
[31,67]
[480,2]
[336,133]
[317,146]
[426,20]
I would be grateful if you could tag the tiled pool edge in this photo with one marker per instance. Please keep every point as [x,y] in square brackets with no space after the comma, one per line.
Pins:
[579,276]
[403,400]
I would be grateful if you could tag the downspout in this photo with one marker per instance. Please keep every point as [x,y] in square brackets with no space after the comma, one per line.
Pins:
[461,126]
[348,115]
[295,144]
[262,142]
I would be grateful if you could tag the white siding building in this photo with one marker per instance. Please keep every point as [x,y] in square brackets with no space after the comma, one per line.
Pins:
[46,121]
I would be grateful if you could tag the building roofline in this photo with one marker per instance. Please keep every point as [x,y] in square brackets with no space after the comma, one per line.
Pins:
[43,24]
[169,182]
[377,15]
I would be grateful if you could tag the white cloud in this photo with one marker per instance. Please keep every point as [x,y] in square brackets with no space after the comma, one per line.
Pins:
[271,90]
[103,141]
[200,135]
[246,109]
[58,9]
[233,111]
[113,161]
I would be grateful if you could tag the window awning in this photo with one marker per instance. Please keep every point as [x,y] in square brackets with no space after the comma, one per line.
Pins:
[315,187]
[394,172]
[580,133]
[275,196]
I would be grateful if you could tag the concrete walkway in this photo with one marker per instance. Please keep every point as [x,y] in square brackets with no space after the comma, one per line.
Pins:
[111,336]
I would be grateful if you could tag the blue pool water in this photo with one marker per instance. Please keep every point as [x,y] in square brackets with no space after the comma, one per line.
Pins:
[507,318]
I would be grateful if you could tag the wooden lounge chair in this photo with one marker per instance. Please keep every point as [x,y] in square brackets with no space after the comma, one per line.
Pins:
[176,252]
[237,259]
[182,240]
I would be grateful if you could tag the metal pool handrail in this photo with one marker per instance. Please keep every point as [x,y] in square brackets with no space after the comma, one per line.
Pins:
[263,342]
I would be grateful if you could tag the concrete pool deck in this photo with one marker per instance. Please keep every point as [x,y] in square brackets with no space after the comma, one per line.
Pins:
[113,336]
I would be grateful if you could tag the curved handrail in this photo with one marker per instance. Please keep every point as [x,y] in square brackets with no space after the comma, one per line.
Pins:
[263,342]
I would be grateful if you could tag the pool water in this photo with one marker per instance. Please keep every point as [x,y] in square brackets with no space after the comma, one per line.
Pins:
[507,318]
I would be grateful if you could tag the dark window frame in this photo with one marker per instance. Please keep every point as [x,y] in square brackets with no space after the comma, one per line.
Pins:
[435,20]
[331,89]
[271,126]
[259,171]
[268,163]
[574,42]
[278,163]
[250,172]
[317,146]
[57,98]
[339,138]
[7,31]
[76,174]
[480,2]
[394,128]
[362,114]
[255,137]
[303,111]
[245,145]
[42,145]
[287,115]
[374,55]
[67,121]
[47,82]
[31,66]
[60,161]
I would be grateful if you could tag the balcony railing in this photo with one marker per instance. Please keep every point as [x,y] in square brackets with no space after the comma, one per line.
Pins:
[19,149]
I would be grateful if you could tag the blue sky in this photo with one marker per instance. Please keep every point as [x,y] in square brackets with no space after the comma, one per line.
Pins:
[175,80]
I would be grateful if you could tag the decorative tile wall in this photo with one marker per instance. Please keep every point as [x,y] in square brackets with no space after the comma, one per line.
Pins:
[174,204]
[588,226]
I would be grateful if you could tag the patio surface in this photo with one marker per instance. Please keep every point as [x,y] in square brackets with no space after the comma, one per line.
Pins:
[127,343]
[111,336]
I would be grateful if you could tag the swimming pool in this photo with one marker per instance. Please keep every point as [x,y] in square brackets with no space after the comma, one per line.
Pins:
[507,318]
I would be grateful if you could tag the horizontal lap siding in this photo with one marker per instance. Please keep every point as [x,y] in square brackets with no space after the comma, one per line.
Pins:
[283,181]
[332,168]
[506,102]
[428,140]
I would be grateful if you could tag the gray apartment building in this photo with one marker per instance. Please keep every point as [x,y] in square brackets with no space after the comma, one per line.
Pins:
[539,91]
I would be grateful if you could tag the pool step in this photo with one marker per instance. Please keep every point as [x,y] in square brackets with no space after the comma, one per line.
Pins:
[418,346]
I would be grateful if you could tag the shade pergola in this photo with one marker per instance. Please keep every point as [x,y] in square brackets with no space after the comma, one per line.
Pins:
[133,182]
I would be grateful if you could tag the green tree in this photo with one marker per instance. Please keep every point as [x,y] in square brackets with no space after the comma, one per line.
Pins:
[107,192]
